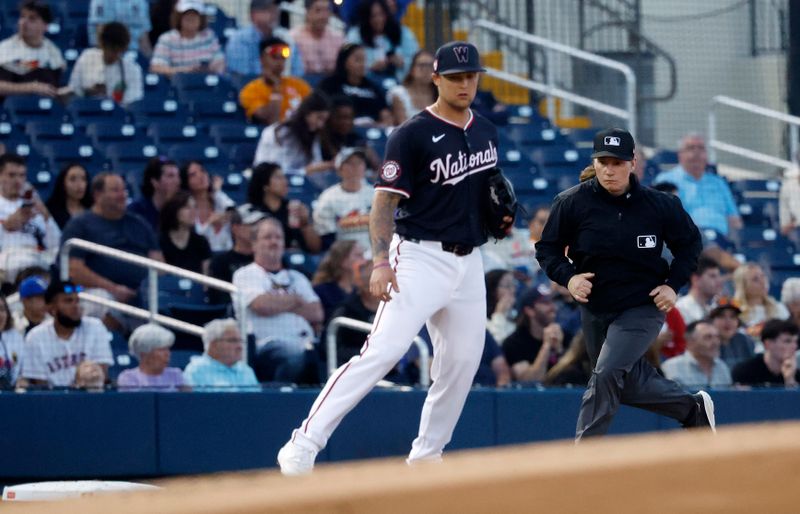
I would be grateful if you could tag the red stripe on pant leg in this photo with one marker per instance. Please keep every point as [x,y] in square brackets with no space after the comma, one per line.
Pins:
[366,347]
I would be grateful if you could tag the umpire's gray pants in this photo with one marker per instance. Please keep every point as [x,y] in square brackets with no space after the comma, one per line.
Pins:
[616,343]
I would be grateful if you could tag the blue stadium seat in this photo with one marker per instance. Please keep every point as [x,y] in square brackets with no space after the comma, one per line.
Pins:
[665,159]
[123,359]
[40,174]
[222,24]
[582,138]
[242,154]
[299,184]
[756,187]
[78,150]
[73,10]
[106,133]
[85,111]
[225,134]
[205,153]
[177,290]
[157,86]
[16,142]
[43,131]
[557,155]
[235,186]
[131,156]
[24,108]
[150,110]
[757,238]
[531,135]
[167,133]
[210,111]
[180,358]
[203,87]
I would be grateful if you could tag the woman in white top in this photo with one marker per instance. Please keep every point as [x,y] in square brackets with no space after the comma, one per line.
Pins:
[10,347]
[752,293]
[106,71]
[789,202]
[417,90]
[212,206]
[294,144]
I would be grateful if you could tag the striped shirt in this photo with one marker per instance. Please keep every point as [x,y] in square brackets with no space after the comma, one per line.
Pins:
[174,51]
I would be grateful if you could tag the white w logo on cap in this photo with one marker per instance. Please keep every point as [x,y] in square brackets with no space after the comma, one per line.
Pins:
[462,54]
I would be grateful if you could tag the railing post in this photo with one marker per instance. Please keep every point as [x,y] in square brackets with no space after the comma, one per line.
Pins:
[793,143]
[551,83]
[64,267]
[712,133]
[152,292]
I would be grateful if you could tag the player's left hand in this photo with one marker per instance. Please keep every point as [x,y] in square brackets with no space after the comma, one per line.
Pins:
[664,297]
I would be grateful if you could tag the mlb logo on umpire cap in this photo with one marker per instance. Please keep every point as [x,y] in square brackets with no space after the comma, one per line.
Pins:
[457,57]
[614,142]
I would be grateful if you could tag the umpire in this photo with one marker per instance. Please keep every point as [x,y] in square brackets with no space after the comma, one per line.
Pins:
[613,230]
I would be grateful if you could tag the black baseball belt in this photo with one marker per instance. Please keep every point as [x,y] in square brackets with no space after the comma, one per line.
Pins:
[455,248]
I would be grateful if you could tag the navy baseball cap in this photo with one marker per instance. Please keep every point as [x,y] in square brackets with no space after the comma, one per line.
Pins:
[457,57]
[614,142]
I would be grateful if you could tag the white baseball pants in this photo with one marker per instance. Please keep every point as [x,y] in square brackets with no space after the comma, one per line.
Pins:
[437,287]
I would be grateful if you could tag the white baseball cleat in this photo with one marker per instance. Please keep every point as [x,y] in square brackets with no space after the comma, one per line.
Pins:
[295,460]
[708,408]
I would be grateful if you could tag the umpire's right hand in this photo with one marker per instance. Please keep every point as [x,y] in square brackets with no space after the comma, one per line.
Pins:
[382,276]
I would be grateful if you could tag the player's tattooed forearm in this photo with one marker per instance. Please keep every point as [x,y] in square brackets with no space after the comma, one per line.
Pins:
[381,223]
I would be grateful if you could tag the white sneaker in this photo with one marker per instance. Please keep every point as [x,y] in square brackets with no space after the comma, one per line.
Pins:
[295,460]
[708,407]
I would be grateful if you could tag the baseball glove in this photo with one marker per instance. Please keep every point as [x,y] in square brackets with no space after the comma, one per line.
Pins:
[501,202]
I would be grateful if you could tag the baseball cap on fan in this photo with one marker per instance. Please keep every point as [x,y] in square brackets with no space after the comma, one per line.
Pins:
[614,142]
[347,152]
[190,5]
[457,57]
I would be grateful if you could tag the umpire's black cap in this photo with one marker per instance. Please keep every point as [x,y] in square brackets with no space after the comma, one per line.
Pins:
[457,57]
[614,142]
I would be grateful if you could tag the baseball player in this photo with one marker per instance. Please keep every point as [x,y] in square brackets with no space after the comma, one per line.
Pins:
[430,189]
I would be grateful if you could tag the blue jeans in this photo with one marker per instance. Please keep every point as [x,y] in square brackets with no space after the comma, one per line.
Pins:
[280,361]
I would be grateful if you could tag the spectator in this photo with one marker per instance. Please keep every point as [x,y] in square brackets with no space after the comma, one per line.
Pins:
[501,289]
[342,210]
[181,245]
[223,265]
[70,195]
[705,195]
[349,78]
[272,96]
[700,366]
[107,71]
[242,49]
[108,224]
[389,45]
[573,368]
[335,277]
[28,234]
[790,297]
[221,367]
[338,133]
[493,370]
[706,284]
[752,294]
[12,348]
[30,64]
[190,47]
[54,349]
[318,43]
[213,206]
[160,181]
[538,342]
[777,365]
[294,144]
[735,346]
[282,307]
[267,192]
[34,308]
[135,14]
[518,252]
[789,203]
[90,377]
[150,344]
[360,305]
[416,91]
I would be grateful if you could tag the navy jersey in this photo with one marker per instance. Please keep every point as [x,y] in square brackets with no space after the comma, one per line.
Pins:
[441,170]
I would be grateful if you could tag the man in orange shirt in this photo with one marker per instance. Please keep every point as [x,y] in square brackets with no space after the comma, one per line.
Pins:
[272,97]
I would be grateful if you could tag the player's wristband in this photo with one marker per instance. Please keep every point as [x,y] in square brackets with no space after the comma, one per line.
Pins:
[384,264]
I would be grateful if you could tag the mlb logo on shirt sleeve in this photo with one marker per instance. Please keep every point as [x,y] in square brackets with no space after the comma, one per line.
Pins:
[648,241]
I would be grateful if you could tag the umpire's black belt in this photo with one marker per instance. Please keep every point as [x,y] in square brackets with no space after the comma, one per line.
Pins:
[456,248]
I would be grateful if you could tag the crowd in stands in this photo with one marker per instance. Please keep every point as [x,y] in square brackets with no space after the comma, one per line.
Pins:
[287,219]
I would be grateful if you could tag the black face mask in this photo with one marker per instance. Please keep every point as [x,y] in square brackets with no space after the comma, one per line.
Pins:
[67,322]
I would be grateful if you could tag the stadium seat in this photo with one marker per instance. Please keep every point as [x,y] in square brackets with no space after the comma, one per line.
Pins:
[202,86]
[208,154]
[24,108]
[167,133]
[195,314]
[131,156]
[665,159]
[534,135]
[43,131]
[242,154]
[150,110]
[85,111]
[222,24]
[179,358]
[123,359]
[178,290]
[78,150]
[582,138]
[300,261]
[106,133]
[16,142]
[157,86]
[210,111]
[225,134]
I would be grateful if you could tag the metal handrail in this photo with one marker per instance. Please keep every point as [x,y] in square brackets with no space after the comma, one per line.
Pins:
[153,267]
[715,144]
[341,321]
[549,88]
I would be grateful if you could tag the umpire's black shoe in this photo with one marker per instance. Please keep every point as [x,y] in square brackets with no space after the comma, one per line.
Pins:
[705,411]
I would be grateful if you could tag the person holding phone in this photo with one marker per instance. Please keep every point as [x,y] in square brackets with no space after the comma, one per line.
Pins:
[28,234]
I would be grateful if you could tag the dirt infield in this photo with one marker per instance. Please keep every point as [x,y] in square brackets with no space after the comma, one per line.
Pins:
[751,469]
